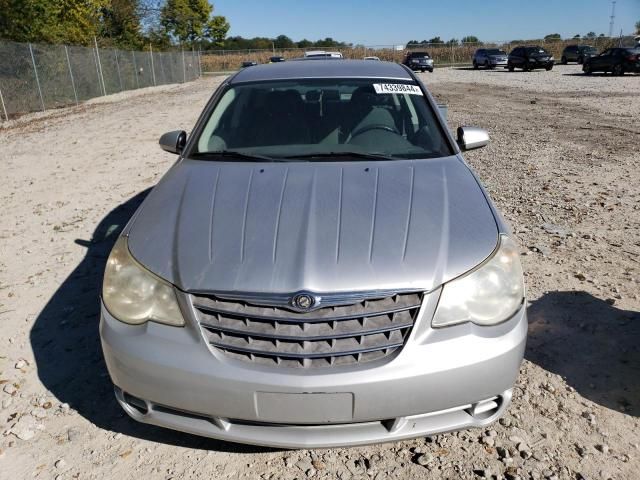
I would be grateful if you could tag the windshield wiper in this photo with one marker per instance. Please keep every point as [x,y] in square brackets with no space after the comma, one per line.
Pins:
[233,154]
[357,155]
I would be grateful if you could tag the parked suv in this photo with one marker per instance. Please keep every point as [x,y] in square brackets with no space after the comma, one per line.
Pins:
[319,267]
[418,61]
[489,58]
[529,58]
[615,60]
[577,53]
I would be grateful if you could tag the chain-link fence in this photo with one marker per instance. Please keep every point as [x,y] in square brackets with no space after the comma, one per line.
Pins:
[36,77]
[444,54]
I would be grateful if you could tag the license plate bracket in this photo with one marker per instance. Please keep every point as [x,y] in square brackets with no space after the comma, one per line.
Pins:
[304,408]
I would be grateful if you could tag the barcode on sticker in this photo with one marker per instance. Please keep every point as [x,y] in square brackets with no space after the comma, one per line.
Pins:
[397,88]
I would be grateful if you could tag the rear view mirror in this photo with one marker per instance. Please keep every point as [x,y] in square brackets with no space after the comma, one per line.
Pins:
[173,142]
[472,137]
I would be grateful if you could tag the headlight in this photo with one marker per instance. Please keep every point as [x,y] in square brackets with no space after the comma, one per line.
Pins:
[551,58]
[488,295]
[134,295]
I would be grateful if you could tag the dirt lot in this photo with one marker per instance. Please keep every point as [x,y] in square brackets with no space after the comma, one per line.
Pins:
[562,167]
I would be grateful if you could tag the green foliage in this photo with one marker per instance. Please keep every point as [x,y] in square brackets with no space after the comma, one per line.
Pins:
[436,40]
[191,21]
[264,43]
[120,24]
[591,35]
[282,41]
[470,39]
[453,42]
[576,36]
[68,21]
[553,36]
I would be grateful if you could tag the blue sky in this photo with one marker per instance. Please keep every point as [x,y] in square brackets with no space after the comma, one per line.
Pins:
[376,22]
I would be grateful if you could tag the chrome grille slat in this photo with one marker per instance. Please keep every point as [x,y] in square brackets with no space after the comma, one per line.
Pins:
[302,338]
[371,328]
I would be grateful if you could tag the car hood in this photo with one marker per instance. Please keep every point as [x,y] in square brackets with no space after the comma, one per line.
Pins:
[322,227]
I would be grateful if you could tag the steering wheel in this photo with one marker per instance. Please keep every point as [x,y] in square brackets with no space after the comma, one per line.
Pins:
[368,128]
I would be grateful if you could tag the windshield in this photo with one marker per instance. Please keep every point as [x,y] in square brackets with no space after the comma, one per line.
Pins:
[535,50]
[307,118]
[587,49]
[495,51]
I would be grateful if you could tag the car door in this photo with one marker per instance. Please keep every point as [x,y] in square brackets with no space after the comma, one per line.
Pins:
[617,57]
[480,57]
[572,54]
[516,57]
[603,61]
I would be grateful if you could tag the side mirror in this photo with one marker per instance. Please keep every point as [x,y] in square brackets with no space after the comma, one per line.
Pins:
[173,142]
[472,137]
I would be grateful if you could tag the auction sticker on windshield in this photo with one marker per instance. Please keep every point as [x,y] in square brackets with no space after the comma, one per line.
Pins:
[397,88]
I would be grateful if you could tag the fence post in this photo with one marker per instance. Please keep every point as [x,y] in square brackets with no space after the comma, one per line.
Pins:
[135,68]
[104,88]
[115,52]
[4,109]
[73,83]
[184,68]
[153,72]
[35,70]
[200,61]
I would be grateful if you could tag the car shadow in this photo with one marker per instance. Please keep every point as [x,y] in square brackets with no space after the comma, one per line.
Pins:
[470,69]
[67,351]
[591,343]
[599,74]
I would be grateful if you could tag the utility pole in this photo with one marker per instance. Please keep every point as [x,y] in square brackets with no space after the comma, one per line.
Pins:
[613,17]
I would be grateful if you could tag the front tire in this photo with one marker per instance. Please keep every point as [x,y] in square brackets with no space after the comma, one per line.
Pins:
[487,66]
[510,67]
[618,71]
[475,65]
[563,60]
[586,69]
[548,68]
[580,60]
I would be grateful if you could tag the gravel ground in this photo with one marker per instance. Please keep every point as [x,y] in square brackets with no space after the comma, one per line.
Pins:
[561,166]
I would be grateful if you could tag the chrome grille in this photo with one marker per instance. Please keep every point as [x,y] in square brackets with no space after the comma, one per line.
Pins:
[369,329]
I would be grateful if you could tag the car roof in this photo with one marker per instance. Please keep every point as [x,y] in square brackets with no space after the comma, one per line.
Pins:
[322,69]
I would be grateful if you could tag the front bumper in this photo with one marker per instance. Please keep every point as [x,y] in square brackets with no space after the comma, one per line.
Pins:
[542,63]
[421,66]
[442,380]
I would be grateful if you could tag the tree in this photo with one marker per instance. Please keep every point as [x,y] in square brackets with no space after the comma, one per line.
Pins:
[282,41]
[576,36]
[436,40]
[69,21]
[552,36]
[591,35]
[190,21]
[121,24]
[470,39]
[304,43]
[638,27]
[453,42]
